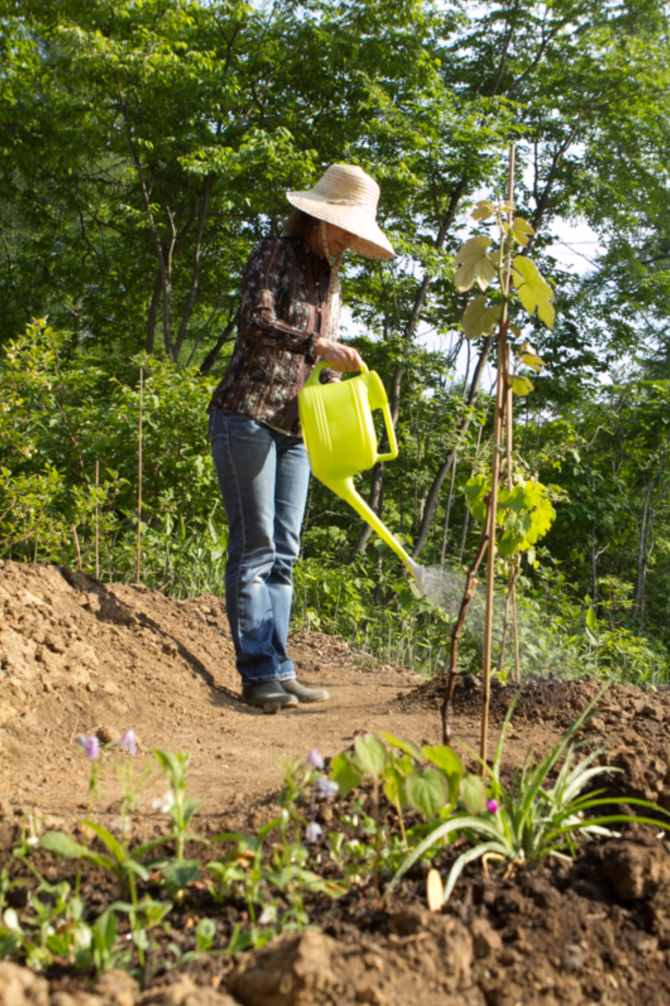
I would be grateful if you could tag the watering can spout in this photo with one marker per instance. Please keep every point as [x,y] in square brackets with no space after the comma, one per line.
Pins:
[344,488]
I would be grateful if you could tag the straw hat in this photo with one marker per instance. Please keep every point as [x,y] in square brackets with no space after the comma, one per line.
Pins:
[347,197]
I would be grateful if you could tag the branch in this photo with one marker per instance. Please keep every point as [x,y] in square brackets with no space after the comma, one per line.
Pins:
[223,338]
[434,492]
[468,593]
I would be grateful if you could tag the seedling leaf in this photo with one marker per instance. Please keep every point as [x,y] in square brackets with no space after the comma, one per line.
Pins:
[533,290]
[520,385]
[480,317]
[473,265]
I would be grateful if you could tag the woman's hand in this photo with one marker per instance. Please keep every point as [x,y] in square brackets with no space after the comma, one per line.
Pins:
[339,356]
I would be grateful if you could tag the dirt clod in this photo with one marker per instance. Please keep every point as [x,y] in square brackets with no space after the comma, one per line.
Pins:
[635,870]
[21,987]
[293,973]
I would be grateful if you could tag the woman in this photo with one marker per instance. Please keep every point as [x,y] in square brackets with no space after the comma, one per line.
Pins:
[288,320]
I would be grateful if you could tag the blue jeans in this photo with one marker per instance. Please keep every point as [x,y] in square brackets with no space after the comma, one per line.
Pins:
[263,476]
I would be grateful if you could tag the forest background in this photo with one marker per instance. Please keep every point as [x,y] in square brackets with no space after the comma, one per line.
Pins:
[146,145]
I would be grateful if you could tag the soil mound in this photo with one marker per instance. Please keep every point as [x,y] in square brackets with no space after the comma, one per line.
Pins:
[78,657]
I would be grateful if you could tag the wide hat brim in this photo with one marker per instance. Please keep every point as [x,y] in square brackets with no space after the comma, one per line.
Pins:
[369,239]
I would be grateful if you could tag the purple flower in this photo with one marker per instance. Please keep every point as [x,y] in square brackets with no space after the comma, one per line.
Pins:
[315,758]
[129,742]
[313,832]
[492,806]
[90,744]
[325,788]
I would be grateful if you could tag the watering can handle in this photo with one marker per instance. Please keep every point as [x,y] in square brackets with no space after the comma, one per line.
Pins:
[323,365]
[390,433]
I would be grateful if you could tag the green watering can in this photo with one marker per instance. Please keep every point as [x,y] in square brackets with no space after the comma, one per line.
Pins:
[341,440]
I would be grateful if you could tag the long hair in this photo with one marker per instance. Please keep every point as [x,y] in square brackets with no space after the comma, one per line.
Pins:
[300,225]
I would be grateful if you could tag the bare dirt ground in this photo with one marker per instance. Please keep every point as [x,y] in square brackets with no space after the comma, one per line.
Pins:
[78,657]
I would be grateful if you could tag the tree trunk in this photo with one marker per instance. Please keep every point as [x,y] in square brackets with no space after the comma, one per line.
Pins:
[196,268]
[152,314]
[646,523]
[447,516]
[163,252]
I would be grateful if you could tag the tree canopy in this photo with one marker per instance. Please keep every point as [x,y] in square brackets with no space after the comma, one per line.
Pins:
[145,145]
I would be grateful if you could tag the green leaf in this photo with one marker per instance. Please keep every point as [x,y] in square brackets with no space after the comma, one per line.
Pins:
[408,747]
[473,794]
[444,758]
[104,931]
[179,873]
[132,866]
[534,292]
[522,231]
[174,764]
[520,385]
[370,755]
[345,773]
[529,357]
[473,265]
[454,824]
[483,210]
[393,786]
[426,792]
[479,317]
[205,934]
[63,845]
[112,843]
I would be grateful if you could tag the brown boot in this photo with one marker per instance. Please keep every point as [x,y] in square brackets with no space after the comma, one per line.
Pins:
[268,696]
[302,693]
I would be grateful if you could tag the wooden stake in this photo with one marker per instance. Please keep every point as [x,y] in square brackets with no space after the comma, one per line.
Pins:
[97,520]
[75,538]
[138,556]
[502,386]
[492,550]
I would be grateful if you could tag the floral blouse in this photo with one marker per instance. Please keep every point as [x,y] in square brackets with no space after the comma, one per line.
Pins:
[283,309]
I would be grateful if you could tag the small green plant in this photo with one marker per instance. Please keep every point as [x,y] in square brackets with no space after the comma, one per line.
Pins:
[270,871]
[179,806]
[131,864]
[117,858]
[51,927]
[423,785]
[533,818]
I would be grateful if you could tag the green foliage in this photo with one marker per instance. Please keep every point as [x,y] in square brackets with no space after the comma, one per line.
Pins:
[427,780]
[181,809]
[384,804]
[60,418]
[525,512]
[51,927]
[269,871]
[535,816]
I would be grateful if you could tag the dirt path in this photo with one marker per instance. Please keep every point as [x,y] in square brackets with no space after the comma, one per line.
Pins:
[77,657]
